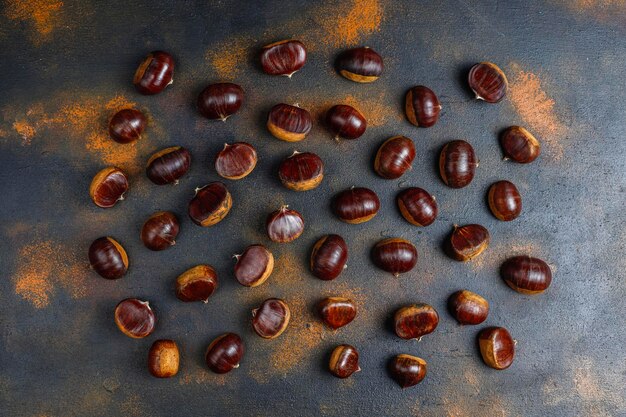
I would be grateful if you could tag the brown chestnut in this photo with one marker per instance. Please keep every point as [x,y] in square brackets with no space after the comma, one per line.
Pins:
[289,123]
[497,347]
[488,82]
[407,370]
[160,230]
[271,319]
[283,57]
[361,65]
[468,307]
[394,157]
[108,258]
[127,125]
[345,122]
[329,257]
[422,106]
[356,205]
[344,361]
[254,265]
[336,312]
[224,353]
[135,318]
[236,161]
[394,255]
[196,284]
[301,171]
[467,242]
[108,187]
[154,73]
[505,201]
[168,165]
[210,204]
[284,225]
[415,321]
[519,145]
[417,206]
[164,358]
[457,163]
[526,274]
[220,101]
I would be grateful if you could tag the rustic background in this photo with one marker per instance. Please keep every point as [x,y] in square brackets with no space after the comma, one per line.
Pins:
[67,66]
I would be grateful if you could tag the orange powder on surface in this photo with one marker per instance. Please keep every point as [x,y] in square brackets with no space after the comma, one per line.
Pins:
[230,58]
[44,14]
[202,376]
[342,27]
[25,130]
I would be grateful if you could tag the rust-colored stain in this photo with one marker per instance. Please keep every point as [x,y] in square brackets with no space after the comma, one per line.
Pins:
[229,58]
[45,16]
[195,375]
[348,24]
[601,10]
[26,131]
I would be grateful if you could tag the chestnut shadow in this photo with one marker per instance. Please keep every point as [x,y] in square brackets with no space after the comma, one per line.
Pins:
[461,78]
[444,245]
[433,155]
[253,58]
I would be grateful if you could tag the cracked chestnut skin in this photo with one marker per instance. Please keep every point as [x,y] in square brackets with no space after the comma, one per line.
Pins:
[361,65]
[497,347]
[488,82]
[283,57]
[108,187]
[289,123]
[210,204]
[457,163]
[407,370]
[467,242]
[526,274]
[329,257]
[197,284]
[168,165]
[336,312]
[271,319]
[224,353]
[154,73]
[422,106]
[415,321]
[344,361]
[108,258]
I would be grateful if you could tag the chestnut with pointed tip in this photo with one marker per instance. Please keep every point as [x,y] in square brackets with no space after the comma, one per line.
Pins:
[283,57]
[135,318]
[356,205]
[394,255]
[407,370]
[236,161]
[467,242]
[361,65]
[127,125]
[457,163]
[505,201]
[497,347]
[163,358]
[160,230]
[108,187]
[271,319]
[422,106]
[284,225]
[224,353]
[168,165]
[210,204]
[254,266]
[519,145]
[301,171]
[220,101]
[394,157]
[289,123]
[345,122]
[336,312]
[329,257]
[417,206]
[468,307]
[344,361]
[415,321]
[108,258]
[154,73]
[488,82]
[526,275]
[196,284]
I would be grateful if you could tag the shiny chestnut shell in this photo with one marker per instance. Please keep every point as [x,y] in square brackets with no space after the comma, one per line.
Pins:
[289,123]
[394,255]
[127,125]
[210,204]
[505,201]
[422,106]
[108,187]
[283,57]
[488,82]
[329,257]
[284,225]
[236,161]
[497,347]
[154,73]
[457,163]
[345,122]
[301,171]
[271,319]
[220,101]
[135,318]
[526,274]
[415,321]
[519,145]
[163,358]
[467,242]
[224,353]
[160,230]
[196,284]
[407,370]
[344,361]
[108,258]
[168,165]
[417,206]
[394,157]
[336,312]
[356,205]
[254,266]
[468,307]
[361,65]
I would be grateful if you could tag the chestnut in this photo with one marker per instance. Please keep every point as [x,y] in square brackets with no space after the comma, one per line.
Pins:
[415,321]
[289,123]
[108,258]
[254,265]
[154,73]
[394,157]
[283,57]
[422,106]
[160,230]
[301,171]
[135,318]
[457,163]
[361,65]
[108,187]
[505,201]
[526,274]
[417,206]
[236,161]
[345,122]
[356,205]
[519,145]
[196,284]
[497,347]
[344,361]
[210,204]
[164,358]
[224,353]
[488,82]
[168,165]
[284,225]
[468,307]
[336,312]
[271,319]
[394,255]
[407,370]
[127,125]
[467,242]
[329,257]
[220,101]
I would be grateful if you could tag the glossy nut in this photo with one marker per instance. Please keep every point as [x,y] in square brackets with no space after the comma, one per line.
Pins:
[457,163]
[468,307]
[224,353]
[164,358]
[127,125]
[210,204]
[160,230]
[505,201]
[394,157]
[108,187]
[271,319]
[284,225]
[356,205]
[394,255]
[220,101]
[415,321]
[497,347]
[345,122]
[329,257]
[526,275]
[108,258]
[519,145]
[407,370]
[336,312]
[488,82]
[422,106]
[289,123]
[417,206]
[236,161]
[283,57]
[467,242]
[196,284]
[135,318]
[168,165]
[361,65]
[344,361]
[301,171]
[154,73]
[254,266]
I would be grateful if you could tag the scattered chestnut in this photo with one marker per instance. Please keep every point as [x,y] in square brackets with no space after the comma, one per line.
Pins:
[160,230]
[467,242]
[135,318]
[224,353]
[154,73]
[329,257]
[468,307]
[394,255]
[519,145]
[361,65]
[210,204]
[336,312]
[407,370]
[488,82]
[108,187]
[271,319]
[394,157]
[526,274]
[108,258]
[196,284]
[417,206]
[127,125]
[220,101]
[289,123]
[164,358]
[356,205]
[345,122]
[301,171]
[505,201]
[415,321]
[236,161]
[283,57]
[497,347]
[168,165]
[284,225]
[254,265]
[344,361]
[422,106]
[457,163]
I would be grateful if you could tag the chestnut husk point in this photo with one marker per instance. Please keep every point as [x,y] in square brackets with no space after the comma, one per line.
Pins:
[254,266]
[135,318]
[329,257]
[394,157]
[210,204]
[422,106]
[283,57]
[361,65]
[417,206]
[154,73]
[345,122]
[236,161]
[160,230]
[457,163]
[224,353]
[468,307]
[302,171]
[467,242]
[284,225]
[163,358]
[289,123]
[505,201]
[519,145]
[415,321]
[488,82]
[336,312]
[356,205]
[108,187]
[127,125]
[497,347]
[271,319]
[168,165]
[394,255]
[526,275]
[108,258]
[197,284]
[344,361]
[220,101]
[407,370]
